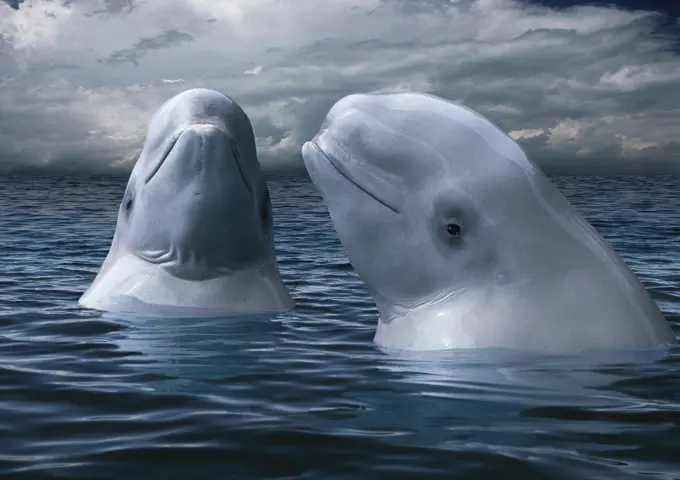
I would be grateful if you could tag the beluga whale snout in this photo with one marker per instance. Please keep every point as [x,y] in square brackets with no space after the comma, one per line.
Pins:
[194,235]
[462,241]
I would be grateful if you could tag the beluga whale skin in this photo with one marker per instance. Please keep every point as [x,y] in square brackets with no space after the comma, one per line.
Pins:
[462,241]
[194,231]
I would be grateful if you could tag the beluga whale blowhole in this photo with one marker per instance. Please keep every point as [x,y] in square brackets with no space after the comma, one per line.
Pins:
[462,241]
[194,234]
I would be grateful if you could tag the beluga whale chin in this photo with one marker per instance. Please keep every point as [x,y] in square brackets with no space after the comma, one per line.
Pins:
[194,231]
[461,241]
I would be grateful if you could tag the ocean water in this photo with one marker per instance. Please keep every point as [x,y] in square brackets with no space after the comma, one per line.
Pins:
[306,394]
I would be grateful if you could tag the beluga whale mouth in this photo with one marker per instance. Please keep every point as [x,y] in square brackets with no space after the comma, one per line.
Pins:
[203,132]
[168,150]
[485,252]
[346,172]
[194,234]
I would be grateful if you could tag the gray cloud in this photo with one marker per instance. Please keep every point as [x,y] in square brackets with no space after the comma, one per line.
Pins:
[8,67]
[14,3]
[583,90]
[116,7]
[145,45]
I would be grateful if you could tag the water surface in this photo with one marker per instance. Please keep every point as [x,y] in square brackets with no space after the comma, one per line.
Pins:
[306,394]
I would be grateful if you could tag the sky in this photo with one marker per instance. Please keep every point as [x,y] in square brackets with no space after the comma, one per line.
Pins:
[584,87]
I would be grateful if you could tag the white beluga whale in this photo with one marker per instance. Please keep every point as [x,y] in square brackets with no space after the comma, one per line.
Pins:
[194,232]
[461,241]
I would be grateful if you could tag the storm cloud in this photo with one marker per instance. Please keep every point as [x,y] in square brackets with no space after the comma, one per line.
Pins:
[583,89]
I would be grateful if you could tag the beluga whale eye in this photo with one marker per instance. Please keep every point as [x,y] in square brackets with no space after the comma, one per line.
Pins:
[265,213]
[453,229]
[451,220]
[264,206]
[128,202]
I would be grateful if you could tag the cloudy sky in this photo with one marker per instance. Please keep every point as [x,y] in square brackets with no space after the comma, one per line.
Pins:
[583,87]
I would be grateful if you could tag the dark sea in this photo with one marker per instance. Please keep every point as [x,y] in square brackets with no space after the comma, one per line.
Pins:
[306,394]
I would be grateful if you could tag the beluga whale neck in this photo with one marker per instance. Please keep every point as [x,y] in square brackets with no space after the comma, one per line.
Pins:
[462,241]
[194,234]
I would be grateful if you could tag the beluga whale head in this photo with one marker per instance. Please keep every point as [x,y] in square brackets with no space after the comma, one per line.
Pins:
[194,234]
[461,241]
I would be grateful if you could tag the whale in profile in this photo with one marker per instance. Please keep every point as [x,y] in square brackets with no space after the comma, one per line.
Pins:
[194,232]
[461,241]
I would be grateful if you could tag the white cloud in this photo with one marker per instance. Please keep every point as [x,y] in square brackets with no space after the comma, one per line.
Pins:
[254,71]
[526,133]
[37,26]
[581,89]
[566,131]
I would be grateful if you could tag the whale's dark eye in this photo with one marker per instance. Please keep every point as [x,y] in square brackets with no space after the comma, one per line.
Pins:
[453,229]
[264,206]
[128,202]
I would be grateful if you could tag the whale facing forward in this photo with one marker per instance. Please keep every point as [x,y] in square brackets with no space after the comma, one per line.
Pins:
[462,241]
[194,232]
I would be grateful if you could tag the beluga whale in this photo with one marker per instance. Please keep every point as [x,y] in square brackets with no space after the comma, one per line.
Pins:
[462,241]
[194,234]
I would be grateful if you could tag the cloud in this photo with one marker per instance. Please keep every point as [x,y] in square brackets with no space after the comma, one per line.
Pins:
[583,89]
[116,6]
[13,3]
[144,45]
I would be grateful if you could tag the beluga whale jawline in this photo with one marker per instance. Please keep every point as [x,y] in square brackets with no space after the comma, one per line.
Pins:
[194,231]
[461,241]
